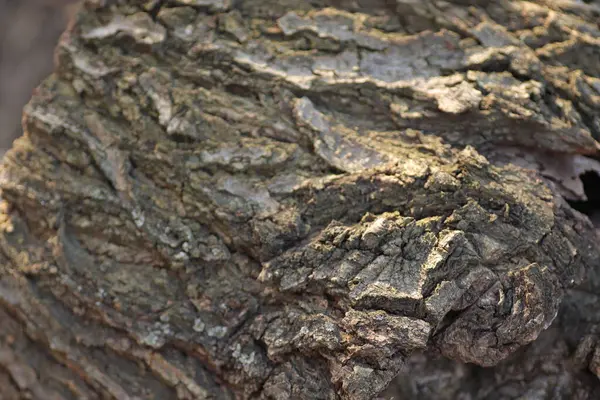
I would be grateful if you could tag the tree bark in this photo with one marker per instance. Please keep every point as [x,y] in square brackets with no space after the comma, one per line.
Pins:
[276,199]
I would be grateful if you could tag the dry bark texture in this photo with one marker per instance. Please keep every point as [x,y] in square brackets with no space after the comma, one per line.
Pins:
[282,199]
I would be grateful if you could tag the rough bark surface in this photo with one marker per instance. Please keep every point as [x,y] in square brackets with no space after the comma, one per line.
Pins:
[277,199]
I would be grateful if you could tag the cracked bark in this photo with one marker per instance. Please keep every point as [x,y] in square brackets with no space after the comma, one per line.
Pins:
[282,199]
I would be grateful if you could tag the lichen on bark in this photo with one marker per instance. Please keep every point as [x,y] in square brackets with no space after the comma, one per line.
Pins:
[281,199]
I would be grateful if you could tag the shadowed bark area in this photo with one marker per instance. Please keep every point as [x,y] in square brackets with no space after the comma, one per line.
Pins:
[276,199]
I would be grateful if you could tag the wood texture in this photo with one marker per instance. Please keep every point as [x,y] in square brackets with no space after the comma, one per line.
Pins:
[301,200]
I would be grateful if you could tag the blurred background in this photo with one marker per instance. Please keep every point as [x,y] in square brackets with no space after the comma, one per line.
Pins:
[29,31]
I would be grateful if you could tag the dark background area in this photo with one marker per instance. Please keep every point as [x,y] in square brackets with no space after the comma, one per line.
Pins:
[29,31]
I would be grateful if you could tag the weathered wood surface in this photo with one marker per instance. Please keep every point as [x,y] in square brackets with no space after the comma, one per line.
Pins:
[283,199]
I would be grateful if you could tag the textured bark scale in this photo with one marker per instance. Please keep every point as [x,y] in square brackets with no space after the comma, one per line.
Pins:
[276,199]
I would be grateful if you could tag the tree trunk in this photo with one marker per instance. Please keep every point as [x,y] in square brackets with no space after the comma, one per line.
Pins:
[277,199]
